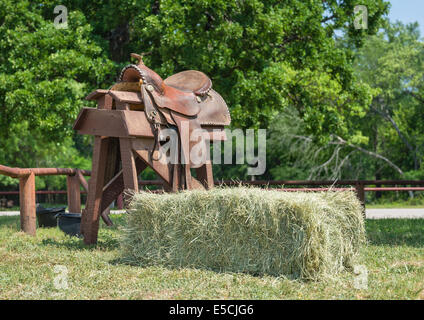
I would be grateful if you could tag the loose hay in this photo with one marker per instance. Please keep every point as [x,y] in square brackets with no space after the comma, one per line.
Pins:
[297,235]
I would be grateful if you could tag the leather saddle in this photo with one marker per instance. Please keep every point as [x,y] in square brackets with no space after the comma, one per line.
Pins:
[184,100]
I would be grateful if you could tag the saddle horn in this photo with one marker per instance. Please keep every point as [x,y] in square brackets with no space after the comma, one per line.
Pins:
[138,57]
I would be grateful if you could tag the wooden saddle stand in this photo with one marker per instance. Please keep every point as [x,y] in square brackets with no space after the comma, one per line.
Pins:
[127,128]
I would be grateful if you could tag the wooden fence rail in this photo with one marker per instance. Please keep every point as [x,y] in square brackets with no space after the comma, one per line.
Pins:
[27,191]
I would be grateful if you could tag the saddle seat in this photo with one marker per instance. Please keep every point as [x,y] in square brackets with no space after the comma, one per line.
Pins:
[181,92]
[190,81]
[188,92]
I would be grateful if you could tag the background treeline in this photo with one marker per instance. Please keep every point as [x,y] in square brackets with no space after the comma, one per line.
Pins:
[337,102]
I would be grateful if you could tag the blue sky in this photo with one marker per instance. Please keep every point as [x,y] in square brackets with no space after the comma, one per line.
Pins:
[408,11]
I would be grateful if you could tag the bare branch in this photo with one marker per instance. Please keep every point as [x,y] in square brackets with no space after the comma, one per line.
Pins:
[325,164]
[339,168]
[373,154]
[324,20]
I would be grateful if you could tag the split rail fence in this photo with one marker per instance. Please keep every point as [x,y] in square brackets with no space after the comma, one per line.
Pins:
[27,201]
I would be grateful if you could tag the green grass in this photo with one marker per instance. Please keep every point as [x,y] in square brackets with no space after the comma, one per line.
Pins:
[394,205]
[394,258]
[416,202]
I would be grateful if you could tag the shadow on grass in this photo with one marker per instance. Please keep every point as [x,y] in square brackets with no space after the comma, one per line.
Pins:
[408,232]
[170,267]
[105,243]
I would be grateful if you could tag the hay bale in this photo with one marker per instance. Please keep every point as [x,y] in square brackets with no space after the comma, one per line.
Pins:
[244,229]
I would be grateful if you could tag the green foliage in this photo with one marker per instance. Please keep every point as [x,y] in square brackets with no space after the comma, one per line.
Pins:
[44,75]
[46,72]
[384,140]
[263,57]
[395,123]
[31,150]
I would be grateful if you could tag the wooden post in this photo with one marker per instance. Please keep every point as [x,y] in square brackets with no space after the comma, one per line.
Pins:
[91,214]
[129,169]
[115,186]
[205,175]
[120,202]
[360,191]
[74,194]
[27,203]
[83,182]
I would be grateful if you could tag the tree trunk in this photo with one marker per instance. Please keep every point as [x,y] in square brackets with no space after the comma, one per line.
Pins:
[118,38]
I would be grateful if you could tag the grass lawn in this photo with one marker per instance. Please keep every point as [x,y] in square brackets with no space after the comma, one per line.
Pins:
[417,202]
[394,205]
[394,259]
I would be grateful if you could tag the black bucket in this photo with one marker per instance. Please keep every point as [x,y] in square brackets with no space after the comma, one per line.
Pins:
[47,216]
[70,223]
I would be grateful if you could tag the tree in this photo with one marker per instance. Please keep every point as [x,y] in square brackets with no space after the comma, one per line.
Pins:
[388,142]
[44,75]
[396,110]
[263,57]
